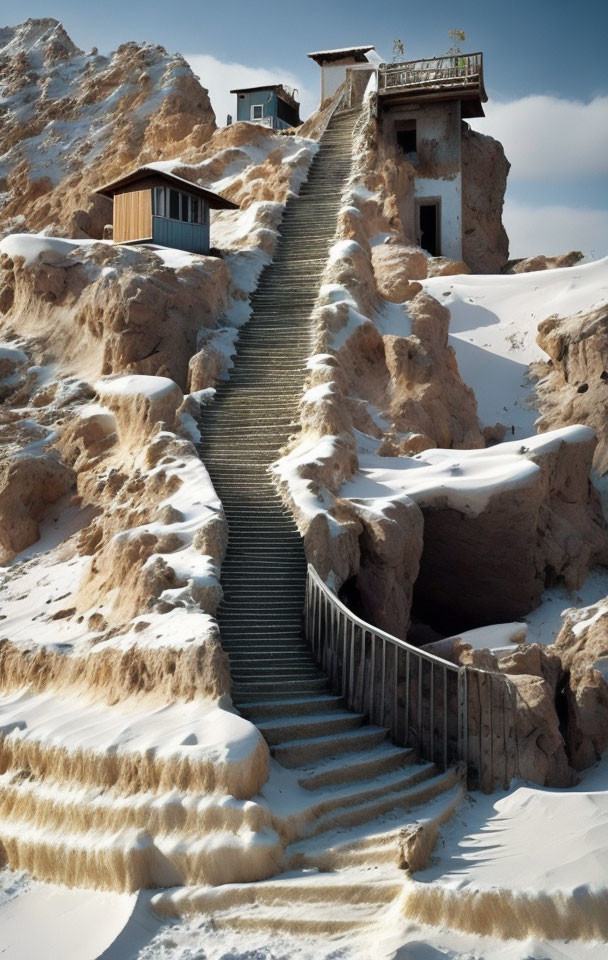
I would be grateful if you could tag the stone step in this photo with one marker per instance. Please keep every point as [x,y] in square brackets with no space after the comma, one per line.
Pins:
[421,792]
[257,710]
[244,690]
[296,753]
[365,765]
[285,729]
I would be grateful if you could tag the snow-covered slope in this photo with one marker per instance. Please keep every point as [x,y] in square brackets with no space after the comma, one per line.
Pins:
[493,328]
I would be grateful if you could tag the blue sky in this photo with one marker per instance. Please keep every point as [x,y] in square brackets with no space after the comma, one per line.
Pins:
[555,49]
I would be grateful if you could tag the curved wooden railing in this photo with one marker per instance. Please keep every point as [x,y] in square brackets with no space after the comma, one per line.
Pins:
[445,711]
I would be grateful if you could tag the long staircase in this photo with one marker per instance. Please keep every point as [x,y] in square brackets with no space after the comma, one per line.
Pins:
[348,786]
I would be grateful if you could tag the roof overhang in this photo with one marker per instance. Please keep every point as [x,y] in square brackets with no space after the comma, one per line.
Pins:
[215,201]
[358,54]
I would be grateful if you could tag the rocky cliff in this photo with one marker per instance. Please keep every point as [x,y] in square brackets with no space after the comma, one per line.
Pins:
[71,121]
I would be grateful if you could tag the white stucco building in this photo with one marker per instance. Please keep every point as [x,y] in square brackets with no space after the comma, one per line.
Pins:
[420,107]
[335,63]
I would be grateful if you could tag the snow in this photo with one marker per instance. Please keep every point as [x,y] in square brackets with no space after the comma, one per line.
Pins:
[197,731]
[493,327]
[464,480]
[546,621]
[12,354]
[487,848]
[136,385]
[41,920]
[31,245]
[497,637]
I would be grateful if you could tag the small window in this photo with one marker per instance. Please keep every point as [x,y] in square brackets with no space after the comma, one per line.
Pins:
[194,209]
[406,136]
[159,201]
[184,215]
[174,204]
[257,111]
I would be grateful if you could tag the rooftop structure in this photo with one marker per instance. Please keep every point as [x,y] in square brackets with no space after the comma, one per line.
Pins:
[335,63]
[152,205]
[454,77]
[356,54]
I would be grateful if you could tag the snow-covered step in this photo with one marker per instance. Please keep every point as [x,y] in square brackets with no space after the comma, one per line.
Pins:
[282,729]
[393,801]
[295,753]
[356,766]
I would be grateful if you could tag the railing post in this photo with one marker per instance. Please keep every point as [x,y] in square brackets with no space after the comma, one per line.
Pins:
[372,638]
[432,715]
[351,681]
[445,718]
[463,748]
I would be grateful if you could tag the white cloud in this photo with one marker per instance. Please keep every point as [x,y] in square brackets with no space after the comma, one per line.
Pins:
[555,229]
[547,138]
[220,78]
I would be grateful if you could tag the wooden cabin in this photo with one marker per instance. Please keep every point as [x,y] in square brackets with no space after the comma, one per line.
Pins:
[154,206]
[272,106]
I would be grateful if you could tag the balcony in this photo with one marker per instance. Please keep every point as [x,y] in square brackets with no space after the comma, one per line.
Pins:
[454,77]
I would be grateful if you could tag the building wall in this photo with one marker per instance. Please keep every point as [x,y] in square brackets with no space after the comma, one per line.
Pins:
[333,75]
[133,216]
[192,237]
[437,164]
[265,97]
[282,113]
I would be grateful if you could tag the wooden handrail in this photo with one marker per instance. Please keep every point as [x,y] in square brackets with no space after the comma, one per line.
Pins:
[424,700]
[367,664]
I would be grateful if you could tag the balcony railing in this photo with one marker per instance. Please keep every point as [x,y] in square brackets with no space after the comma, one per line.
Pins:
[454,71]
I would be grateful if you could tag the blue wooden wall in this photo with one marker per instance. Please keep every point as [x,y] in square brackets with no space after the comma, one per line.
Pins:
[192,237]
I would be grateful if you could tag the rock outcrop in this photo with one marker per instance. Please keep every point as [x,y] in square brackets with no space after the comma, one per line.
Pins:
[582,646]
[100,309]
[485,245]
[574,383]
[541,262]
[137,105]
[493,564]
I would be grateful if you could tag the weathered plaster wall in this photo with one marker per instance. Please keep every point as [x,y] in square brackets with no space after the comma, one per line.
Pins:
[437,164]
[333,75]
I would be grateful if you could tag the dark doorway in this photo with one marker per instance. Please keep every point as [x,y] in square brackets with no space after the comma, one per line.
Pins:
[428,214]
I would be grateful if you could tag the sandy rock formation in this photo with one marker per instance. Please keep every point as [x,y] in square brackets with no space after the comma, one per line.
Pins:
[494,565]
[485,245]
[540,262]
[521,692]
[100,309]
[138,104]
[574,383]
[582,646]
[28,484]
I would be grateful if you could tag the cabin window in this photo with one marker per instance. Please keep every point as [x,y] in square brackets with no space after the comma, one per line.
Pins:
[176,205]
[173,204]
[257,111]
[159,201]
[406,136]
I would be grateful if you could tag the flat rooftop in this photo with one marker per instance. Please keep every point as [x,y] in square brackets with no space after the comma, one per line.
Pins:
[330,56]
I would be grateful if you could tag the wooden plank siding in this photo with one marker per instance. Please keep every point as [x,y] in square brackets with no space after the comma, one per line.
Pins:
[192,237]
[133,216]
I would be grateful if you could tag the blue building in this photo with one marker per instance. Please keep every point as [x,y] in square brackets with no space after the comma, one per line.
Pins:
[273,106]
